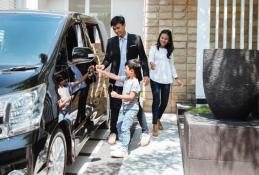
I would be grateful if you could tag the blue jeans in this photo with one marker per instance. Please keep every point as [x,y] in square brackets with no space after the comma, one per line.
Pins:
[124,124]
[115,105]
[160,94]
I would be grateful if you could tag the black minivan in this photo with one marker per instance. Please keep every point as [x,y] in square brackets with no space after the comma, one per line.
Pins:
[51,98]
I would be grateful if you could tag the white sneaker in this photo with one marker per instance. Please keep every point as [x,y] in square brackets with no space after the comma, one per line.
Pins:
[112,139]
[116,146]
[119,153]
[145,139]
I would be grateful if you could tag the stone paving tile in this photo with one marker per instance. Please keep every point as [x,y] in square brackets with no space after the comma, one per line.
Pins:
[95,159]
[162,156]
[81,162]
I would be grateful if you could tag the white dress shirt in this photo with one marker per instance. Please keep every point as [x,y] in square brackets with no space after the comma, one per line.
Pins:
[123,58]
[164,70]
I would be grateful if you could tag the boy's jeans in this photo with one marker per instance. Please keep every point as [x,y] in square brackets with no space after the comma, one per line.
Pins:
[124,124]
[115,106]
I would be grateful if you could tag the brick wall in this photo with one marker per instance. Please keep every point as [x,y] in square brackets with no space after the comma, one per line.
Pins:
[180,17]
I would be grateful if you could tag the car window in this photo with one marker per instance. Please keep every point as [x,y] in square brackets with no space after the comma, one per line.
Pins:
[95,37]
[80,38]
[23,37]
[74,38]
[62,56]
[71,41]
[86,37]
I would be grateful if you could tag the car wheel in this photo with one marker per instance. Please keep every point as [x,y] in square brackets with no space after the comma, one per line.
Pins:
[57,154]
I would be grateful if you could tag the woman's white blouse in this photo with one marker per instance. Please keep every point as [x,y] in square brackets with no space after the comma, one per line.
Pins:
[165,70]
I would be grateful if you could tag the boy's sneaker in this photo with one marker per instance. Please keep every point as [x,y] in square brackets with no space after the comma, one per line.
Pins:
[116,146]
[145,139]
[112,139]
[119,153]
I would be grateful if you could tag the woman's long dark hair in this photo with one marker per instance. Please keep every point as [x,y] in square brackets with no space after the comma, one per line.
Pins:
[170,45]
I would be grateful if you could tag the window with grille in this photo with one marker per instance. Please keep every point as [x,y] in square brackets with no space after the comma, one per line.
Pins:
[234,24]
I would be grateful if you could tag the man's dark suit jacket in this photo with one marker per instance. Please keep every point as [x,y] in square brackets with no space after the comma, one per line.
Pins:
[135,49]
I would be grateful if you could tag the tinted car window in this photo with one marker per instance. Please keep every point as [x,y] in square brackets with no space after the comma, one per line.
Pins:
[24,37]
[95,37]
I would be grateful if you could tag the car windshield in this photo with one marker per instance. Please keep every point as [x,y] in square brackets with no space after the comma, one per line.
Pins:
[23,37]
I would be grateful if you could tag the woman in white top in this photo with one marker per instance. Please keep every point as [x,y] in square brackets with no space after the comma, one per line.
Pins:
[162,74]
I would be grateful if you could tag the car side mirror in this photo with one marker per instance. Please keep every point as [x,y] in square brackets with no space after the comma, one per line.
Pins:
[82,55]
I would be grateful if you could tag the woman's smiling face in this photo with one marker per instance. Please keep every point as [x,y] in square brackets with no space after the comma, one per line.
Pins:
[164,38]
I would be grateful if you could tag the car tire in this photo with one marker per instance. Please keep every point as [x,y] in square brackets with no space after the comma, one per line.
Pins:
[57,154]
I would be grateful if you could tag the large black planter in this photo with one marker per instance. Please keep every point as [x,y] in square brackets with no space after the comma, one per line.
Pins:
[231,81]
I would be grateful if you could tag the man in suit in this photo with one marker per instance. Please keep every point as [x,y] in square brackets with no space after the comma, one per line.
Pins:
[120,48]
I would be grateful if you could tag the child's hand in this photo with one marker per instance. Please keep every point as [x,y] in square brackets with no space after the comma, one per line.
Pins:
[114,94]
[101,71]
[98,69]
[99,66]
[61,103]
[90,69]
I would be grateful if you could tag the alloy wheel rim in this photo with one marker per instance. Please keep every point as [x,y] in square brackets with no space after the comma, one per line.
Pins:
[57,157]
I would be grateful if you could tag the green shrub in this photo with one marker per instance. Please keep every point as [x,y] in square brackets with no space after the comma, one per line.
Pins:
[200,110]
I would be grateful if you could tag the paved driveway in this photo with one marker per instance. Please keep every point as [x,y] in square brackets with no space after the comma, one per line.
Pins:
[162,156]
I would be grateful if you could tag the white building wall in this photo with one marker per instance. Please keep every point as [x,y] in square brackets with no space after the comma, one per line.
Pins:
[43,4]
[32,4]
[7,4]
[133,11]
[55,5]
[203,42]
[20,4]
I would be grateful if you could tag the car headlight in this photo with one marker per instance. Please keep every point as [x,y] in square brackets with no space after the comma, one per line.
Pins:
[21,111]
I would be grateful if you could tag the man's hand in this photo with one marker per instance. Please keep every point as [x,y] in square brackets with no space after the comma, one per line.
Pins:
[114,94]
[100,66]
[146,80]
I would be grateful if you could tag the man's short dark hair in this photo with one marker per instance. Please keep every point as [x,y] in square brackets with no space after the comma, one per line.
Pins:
[117,20]
[134,64]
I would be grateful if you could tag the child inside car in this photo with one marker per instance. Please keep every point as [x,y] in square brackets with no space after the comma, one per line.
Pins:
[67,89]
